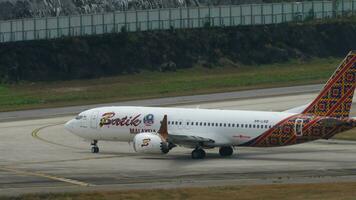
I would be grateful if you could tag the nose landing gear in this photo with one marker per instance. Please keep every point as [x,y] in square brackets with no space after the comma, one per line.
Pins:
[94,146]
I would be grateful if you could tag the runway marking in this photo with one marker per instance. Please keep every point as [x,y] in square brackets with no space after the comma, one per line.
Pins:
[55,161]
[38,174]
[27,125]
[35,134]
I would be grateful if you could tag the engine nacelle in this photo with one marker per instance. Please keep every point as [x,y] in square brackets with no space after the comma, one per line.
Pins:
[150,143]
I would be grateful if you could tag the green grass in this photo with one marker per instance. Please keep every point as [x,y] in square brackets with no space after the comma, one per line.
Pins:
[325,191]
[157,84]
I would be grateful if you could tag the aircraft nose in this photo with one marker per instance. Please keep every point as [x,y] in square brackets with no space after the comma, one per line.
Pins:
[69,126]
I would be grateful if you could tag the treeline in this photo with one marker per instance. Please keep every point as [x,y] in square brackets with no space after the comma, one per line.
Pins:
[114,54]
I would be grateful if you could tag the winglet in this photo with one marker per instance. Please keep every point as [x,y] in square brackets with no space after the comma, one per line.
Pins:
[163,130]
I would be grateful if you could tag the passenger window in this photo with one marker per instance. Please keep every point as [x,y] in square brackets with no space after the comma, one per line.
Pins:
[176,123]
[254,126]
[192,123]
[220,124]
[196,123]
[208,124]
[228,125]
[204,123]
[249,125]
[169,122]
[180,123]
[258,126]
[188,123]
[224,125]
[216,124]
[233,125]
[201,123]
[237,125]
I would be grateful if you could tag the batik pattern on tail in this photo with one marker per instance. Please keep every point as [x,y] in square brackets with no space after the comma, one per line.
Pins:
[326,116]
[336,97]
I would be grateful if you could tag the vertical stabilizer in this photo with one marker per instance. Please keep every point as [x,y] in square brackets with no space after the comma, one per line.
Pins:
[335,98]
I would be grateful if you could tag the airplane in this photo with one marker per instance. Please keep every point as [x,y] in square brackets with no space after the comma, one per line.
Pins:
[157,130]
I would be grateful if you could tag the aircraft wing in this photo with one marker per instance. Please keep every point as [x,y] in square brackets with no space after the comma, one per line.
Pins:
[183,139]
[189,140]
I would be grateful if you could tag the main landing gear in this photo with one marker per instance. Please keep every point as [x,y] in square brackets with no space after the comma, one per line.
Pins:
[198,153]
[94,146]
[226,151]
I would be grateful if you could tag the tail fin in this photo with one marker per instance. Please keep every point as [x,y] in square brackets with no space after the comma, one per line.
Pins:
[335,98]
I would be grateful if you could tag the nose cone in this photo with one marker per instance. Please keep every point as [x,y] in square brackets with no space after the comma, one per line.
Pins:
[69,126]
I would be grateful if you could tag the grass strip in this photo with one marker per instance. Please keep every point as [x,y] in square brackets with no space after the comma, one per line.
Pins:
[325,191]
[145,85]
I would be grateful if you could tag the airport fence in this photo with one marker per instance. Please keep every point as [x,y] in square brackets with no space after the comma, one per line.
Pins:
[178,18]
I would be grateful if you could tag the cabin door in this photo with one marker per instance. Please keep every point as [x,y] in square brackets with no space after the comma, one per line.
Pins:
[94,120]
[298,127]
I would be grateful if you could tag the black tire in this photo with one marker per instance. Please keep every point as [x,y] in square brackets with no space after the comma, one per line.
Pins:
[202,154]
[226,151]
[195,154]
[95,149]
[198,154]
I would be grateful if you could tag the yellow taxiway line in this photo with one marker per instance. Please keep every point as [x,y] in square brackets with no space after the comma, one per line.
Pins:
[38,174]
[35,134]
[37,130]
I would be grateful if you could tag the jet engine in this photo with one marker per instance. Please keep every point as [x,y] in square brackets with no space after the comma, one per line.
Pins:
[150,143]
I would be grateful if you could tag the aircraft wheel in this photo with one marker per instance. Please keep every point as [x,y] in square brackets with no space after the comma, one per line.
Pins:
[198,154]
[226,151]
[94,146]
[95,149]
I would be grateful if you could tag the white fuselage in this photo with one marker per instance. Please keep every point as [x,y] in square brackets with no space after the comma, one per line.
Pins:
[225,127]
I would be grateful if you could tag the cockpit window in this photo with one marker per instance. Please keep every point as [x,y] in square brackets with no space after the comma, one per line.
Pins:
[79,117]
